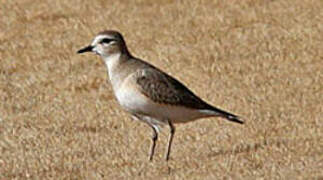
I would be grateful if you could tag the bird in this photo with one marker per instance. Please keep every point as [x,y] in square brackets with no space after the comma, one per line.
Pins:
[147,93]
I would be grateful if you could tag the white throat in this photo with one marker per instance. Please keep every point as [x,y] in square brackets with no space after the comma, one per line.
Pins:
[111,61]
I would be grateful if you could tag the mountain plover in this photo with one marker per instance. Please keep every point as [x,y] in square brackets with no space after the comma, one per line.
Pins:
[147,93]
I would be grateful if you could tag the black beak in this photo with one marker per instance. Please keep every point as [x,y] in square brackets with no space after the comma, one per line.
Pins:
[86,49]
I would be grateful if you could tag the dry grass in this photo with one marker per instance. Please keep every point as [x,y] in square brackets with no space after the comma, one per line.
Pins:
[260,59]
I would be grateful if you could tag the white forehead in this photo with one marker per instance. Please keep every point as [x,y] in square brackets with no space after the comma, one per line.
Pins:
[98,38]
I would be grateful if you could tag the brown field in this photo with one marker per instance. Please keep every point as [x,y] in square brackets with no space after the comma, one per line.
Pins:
[262,60]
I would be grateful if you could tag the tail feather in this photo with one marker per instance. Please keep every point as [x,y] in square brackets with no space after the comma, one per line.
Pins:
[234,118]
[227,115]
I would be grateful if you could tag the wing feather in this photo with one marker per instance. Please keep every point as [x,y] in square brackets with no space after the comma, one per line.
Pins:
[162,88]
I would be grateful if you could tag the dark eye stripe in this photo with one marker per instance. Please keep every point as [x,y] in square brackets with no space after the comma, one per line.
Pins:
[106,40]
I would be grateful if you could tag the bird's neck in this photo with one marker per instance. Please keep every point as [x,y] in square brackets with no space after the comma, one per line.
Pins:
[114,63]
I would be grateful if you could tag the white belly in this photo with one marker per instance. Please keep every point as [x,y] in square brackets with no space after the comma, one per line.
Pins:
[133,101]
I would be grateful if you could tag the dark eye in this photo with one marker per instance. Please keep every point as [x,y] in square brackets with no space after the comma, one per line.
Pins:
[106,40]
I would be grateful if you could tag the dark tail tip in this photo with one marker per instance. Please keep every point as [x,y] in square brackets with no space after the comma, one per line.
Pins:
[234,118]
[227,115]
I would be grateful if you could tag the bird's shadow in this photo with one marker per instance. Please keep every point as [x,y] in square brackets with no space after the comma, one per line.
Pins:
[251,147]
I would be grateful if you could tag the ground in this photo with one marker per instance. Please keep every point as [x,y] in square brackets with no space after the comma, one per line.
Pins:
[262,60]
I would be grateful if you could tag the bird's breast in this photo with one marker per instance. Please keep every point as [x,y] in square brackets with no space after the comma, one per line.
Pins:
[130,98]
